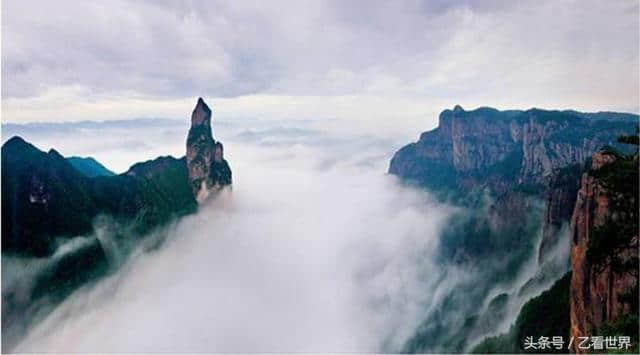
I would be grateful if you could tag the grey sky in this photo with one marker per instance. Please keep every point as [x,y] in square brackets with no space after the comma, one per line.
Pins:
[64,60]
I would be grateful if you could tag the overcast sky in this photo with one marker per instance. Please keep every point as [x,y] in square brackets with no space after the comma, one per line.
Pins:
[372,62]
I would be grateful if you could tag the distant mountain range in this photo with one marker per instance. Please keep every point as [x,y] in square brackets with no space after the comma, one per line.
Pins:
[517,161]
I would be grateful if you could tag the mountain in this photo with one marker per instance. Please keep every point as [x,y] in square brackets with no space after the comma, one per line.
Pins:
[600,296]
[516,176]
[497,149]
[46,197]
[514,155]
[89,167]
[56,212]
[46,200]
[43,196]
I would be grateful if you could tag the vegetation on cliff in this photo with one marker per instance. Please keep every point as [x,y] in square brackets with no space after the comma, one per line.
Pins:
[619,232]
[500,149]
[46,200]
[614,244]
[515,174]
[545,315]
[75,221]
[89,167]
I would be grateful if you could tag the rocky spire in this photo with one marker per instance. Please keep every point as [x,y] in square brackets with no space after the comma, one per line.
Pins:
[208,171]
[201,114]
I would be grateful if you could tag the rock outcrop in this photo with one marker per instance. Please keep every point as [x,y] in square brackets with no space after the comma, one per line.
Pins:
[208,170]
[604,274]
[497,149]
[560,193]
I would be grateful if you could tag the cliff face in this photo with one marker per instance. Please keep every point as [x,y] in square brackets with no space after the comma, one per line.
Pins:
[208,170]
[561,189]
[604,254]
[537,151]
[497,149]
[516,173]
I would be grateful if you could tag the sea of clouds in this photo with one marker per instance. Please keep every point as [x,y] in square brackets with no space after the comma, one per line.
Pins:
[314,249]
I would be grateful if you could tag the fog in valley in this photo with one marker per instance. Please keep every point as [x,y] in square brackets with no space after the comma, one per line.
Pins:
[314,249]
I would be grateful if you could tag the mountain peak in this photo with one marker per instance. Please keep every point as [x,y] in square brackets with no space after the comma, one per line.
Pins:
[55,153]
[202,104]
[17,145]
[458,108]
[15,141]
[201,113]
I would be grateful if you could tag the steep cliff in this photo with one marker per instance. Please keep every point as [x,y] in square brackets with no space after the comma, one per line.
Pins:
[560,193]
[604,249]
[208,170]
[516,175]
[497,149]
[535,152]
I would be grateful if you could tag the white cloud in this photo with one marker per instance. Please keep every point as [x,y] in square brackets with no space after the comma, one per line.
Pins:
[577,54]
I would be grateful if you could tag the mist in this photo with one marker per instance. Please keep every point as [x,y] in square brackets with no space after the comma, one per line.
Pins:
[314,249]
